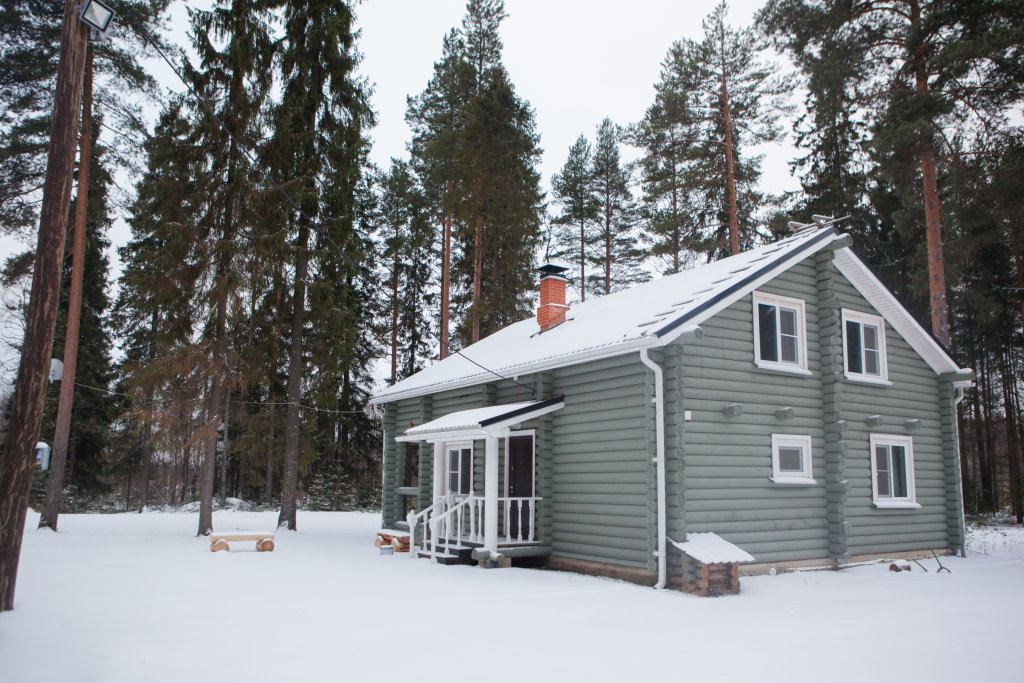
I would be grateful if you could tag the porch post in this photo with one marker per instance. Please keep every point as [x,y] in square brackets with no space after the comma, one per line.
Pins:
[438,471]
[491,495]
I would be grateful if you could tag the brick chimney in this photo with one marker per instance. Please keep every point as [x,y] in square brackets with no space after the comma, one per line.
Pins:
[552,307]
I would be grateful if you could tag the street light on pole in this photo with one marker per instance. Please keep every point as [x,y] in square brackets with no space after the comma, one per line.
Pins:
[26,408]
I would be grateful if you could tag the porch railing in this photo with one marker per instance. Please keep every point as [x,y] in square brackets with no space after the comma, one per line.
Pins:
[451,520]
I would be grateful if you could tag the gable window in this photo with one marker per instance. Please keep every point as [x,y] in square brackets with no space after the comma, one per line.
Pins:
[864,342]
[892,471]
[460,468]
[791,459]
[780,333]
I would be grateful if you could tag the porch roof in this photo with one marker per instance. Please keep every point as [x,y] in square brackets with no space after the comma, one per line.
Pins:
[491,421]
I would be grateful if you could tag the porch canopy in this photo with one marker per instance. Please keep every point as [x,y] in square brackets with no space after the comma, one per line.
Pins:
[490,424]
[481,423]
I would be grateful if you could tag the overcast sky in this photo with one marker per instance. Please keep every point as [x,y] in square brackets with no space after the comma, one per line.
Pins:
[575,61]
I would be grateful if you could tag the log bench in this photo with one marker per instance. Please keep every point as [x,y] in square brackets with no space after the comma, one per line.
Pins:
[264,540]
[399,543]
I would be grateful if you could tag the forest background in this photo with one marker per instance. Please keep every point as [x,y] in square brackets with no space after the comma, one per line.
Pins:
[276,255]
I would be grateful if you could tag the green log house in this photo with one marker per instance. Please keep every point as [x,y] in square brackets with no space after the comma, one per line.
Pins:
[782,399]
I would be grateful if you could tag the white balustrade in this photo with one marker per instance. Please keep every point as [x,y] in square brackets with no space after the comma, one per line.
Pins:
[447,519]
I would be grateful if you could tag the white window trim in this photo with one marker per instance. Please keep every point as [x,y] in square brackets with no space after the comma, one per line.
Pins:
[801,440]
[532,433]
[910,502]
[448,447]
[776,300]
[883,363]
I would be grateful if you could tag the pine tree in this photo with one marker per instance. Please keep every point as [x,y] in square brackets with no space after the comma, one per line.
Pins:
[667,138]
[923,67]
[574,229]
[408,241]
[741,97]
[436,115]
[620,257]
[499,208]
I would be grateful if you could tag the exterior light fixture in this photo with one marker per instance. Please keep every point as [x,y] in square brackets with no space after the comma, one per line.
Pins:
[97,16]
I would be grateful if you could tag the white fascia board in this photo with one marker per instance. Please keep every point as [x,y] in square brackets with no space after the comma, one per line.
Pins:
[883,301]
[576,358]
[720,306]
[470,434]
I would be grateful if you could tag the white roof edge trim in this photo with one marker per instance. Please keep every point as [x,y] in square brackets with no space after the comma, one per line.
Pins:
[593,353]
[889,307]
[476,430]
[783,265]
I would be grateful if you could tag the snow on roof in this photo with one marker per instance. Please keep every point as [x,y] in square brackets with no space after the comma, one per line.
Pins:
[710,548]
[613,324]
[465,419]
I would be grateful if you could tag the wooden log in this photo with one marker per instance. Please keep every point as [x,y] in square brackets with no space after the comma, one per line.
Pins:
[265,546]
[219,544]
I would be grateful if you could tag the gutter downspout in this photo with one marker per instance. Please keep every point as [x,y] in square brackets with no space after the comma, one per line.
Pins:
[659,460]
[960,391]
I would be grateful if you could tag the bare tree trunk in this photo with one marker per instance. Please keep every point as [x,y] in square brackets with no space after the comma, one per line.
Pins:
[446,267]
[26,408]
[55,478]
[932,203]
[1018,260]
[289,488]
[1012,440]
[607,243]
[208,463]
[394,312]
[478,273]
[730,170]
[583,260]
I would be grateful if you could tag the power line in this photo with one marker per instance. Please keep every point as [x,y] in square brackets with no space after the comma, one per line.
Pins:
[246,403]
[533,392]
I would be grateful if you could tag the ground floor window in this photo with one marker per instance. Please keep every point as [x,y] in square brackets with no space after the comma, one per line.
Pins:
[892,471]
[460,468]
[791,459]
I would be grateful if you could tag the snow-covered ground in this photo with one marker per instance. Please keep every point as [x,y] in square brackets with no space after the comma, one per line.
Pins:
[132,598]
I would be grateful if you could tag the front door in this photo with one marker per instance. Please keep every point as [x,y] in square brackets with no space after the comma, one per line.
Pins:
[520,483]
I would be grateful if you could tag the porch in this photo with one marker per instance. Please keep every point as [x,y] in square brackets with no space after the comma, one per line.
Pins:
[463,525]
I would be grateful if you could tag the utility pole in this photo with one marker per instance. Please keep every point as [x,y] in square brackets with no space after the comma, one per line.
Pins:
[26,410]
[55,478]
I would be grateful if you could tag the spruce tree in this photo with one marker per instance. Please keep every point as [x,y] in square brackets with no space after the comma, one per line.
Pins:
[236,52]
[317,150]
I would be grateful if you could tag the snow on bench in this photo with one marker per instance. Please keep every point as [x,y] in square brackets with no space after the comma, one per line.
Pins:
[264,539]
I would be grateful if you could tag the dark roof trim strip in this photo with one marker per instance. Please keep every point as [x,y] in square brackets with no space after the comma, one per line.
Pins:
[523,411]
[742,284]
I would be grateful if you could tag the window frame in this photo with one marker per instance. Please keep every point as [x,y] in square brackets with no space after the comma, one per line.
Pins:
[907,443]
[800,306]
[878,322]
[806,474]
[458,446]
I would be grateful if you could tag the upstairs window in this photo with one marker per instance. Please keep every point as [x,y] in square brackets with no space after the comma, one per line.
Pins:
[892,471]
[864,340]
[780,333]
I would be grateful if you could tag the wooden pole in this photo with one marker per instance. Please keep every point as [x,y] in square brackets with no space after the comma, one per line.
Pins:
[55,478]
[26,409]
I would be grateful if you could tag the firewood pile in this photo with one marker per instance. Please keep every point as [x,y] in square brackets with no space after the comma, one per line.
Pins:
[399,543]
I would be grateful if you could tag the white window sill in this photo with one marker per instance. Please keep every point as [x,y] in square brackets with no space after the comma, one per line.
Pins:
[896,504]
[782,367]
[800,481]
[868,379]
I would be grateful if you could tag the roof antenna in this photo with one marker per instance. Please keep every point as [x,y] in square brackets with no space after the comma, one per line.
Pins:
[817,222]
